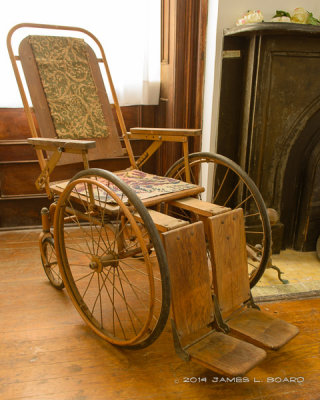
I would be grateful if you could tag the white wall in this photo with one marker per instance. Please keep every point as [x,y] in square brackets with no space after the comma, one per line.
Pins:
[224,14]
[128,30]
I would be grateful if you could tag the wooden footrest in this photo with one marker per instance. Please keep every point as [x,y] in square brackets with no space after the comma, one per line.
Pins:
[193,311]
[163,222]
[199,207]
[226,355]
[231,285]
[261,329]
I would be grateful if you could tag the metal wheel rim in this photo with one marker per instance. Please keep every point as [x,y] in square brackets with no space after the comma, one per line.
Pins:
[202,157]
[144,337]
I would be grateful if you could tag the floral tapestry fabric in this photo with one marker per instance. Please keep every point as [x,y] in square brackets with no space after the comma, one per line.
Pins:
[69,87]
[143,184]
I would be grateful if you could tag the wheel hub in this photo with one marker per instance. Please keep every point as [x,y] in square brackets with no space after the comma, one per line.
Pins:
[107,260]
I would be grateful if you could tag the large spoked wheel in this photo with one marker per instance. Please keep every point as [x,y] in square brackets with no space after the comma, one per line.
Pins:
[232,187]
[50,263]
[113,266]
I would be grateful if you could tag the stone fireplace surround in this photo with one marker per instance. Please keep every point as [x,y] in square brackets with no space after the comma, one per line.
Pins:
[269,121]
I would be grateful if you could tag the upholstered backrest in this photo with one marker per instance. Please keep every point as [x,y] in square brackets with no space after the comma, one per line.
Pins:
[68,93]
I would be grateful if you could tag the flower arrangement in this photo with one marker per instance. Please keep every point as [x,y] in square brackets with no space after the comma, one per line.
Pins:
[299,16]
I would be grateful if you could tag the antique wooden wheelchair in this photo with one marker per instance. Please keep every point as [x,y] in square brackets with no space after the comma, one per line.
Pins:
[126,243]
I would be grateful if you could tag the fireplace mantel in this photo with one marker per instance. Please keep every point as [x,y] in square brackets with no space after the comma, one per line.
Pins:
[272,28]
[270,91]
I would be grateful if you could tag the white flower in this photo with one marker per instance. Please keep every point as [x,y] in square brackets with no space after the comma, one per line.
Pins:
[251,17]
[281,19]
[300,16]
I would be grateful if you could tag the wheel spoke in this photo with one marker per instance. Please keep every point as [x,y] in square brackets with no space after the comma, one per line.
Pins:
[91,222]
[121,303]
[133,287]
[52,270]
[80,227]
[85,292]
[221,185]
[114,311]
[254,248]
[83,277]
[234,189]
[251,215]
[137,270]
[126,303]
[137,287]
[101,316]
[244,201]
[232,193]
[98,295]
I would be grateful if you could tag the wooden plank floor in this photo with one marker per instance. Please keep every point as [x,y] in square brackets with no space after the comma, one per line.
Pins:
[48,353]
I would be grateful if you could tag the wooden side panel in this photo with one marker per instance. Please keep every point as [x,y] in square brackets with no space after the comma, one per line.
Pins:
[229,270]
[191,295]
[21,211]
[13,124]
[18,178]
[183,40]
[14,150]
[19,168]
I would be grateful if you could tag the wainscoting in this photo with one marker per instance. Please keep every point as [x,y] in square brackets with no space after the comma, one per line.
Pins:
[20,202]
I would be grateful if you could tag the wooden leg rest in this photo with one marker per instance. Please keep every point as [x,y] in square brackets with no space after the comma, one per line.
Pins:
[199,207]
[193,310]
[232,288]
[226,355]
[163,222]
[261,329]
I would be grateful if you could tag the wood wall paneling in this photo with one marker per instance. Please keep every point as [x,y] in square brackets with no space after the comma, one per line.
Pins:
[183,32]
[20,202]
[182,69]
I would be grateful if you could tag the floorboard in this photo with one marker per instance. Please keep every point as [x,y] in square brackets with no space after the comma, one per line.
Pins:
[48,353]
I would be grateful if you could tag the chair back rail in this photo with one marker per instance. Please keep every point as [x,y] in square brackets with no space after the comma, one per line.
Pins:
[41,107]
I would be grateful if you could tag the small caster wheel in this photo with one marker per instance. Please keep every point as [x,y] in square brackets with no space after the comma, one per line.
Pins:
[50,263]
[318,248]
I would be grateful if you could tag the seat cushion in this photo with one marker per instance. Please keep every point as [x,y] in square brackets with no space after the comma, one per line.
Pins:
[145,185]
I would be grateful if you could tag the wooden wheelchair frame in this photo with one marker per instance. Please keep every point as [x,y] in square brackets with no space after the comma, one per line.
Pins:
[123,231]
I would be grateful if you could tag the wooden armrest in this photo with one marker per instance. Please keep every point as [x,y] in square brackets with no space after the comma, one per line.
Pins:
[65,144]
[165,131]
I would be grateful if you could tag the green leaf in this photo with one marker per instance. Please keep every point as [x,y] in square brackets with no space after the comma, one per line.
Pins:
[312,20]
[281,13]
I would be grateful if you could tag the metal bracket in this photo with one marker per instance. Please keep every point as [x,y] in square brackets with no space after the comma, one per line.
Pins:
[221,324]
[251,304]
[271,266]
[177,344]
[43,178]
